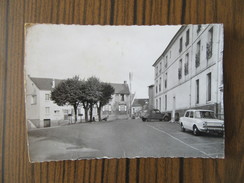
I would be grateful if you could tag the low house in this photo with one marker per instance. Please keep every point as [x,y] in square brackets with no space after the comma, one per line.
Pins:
[119,106]
[40,109]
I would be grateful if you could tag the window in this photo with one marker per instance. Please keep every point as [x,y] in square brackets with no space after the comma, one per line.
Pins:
[187,37]
[156,103]
[197,91]
[197,59]
[47,97]
[165,81]
[122,97]
[160,103]
[186,64]
[157,71]
[160,80]
[160,67]
[170,54]
[180,69]
[180,48]
[47,110]
[165,102]
[191,114]
[107,108]
[157,86]
[187,114]
[122,108]
[166,62]
[65,111]
[33,99]
[209,87]
[199,27]
[209,46]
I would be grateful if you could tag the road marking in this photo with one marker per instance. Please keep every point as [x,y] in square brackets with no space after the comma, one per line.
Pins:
[179,140]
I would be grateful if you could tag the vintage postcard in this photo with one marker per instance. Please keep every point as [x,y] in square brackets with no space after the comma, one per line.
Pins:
[96,91]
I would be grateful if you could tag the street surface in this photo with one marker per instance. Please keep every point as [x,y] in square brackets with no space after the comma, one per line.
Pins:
[120,139]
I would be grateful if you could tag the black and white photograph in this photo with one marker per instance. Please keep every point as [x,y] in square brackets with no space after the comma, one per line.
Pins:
[101,91]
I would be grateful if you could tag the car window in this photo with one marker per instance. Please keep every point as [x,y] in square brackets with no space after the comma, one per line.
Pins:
[187,114]
[198,114]
[191,114]
[157,112]
[208,114]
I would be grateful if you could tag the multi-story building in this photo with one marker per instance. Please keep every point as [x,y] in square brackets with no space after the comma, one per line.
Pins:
[41,111]
[189,73]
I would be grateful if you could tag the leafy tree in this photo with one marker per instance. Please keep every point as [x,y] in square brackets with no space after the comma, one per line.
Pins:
[92,94]
[107,91]
[68,92]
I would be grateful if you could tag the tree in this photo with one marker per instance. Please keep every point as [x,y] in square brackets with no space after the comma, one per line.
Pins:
[68,92]
[107,91]
[92,93]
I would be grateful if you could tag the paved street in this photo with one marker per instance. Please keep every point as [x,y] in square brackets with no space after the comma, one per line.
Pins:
[122,138]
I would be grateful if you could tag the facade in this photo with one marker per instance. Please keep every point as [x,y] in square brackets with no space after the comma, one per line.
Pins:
[189,73]
[41,111]
[119,106]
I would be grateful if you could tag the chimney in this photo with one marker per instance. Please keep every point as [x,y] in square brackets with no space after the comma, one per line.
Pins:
[53,83]
[125,82]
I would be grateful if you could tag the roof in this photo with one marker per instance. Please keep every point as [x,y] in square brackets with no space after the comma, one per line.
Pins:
[170,43]
[120,88]
[140,102]
[45,83]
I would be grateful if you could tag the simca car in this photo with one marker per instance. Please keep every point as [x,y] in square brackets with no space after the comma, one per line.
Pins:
[201,121]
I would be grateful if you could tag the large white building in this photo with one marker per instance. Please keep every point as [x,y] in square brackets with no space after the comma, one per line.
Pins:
[189,73]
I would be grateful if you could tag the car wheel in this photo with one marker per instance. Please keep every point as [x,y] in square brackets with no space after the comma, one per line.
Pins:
[182,128]
[195,130]
[166,118]
[143,119]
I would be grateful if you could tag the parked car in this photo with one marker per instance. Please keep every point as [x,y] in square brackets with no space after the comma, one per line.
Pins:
[201,121]
[155,114]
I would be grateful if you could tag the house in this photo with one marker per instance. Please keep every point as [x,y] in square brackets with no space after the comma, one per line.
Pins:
[138,105]
[41,111]
[189,72]
[119,106]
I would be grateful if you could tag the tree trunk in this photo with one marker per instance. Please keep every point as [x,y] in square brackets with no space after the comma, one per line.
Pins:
[85,106]
[75,109]
[91,108]
[86,114]
[99,113]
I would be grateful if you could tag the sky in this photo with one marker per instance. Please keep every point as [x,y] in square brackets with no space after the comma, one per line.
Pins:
[107,52]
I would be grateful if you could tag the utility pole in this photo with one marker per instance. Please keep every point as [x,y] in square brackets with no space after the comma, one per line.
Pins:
[130,78]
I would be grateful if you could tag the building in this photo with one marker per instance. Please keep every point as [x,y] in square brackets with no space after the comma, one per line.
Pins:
[189,73]
[119,106]
[138,105]
[41,111]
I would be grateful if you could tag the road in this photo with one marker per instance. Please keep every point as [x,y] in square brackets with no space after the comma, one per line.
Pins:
[120,139]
